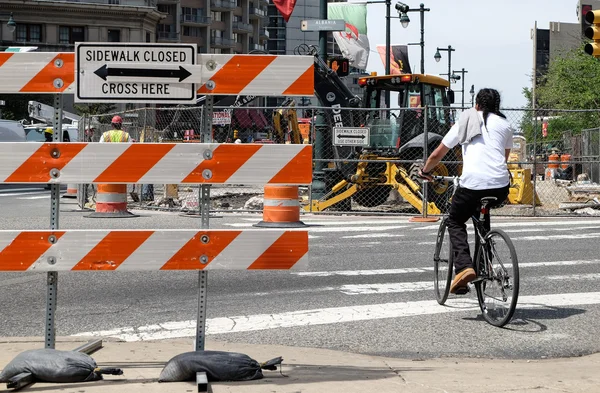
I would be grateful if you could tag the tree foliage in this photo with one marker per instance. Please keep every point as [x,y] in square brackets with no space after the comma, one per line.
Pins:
[572,83]
[94,109]
[16,105]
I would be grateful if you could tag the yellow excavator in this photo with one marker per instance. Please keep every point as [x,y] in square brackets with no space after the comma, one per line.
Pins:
[286,118]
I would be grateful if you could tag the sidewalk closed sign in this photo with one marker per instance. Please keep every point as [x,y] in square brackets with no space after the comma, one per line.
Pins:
[349,136]
[221,118]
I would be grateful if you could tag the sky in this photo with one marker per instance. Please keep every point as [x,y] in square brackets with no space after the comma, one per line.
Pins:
[492,39]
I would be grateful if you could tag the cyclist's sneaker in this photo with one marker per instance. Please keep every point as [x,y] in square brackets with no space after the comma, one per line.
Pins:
[462,279]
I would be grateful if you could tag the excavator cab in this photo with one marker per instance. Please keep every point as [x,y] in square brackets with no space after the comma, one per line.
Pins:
[401,129]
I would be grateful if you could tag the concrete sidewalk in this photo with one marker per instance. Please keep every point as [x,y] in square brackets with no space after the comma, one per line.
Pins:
[319,370]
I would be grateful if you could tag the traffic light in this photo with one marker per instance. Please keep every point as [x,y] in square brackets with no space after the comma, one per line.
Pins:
[593,33]
[340,65]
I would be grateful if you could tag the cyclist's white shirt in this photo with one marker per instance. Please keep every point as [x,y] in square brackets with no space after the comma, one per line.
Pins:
[484,162]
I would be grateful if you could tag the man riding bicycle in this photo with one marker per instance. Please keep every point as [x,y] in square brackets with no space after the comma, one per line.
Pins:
[486,140]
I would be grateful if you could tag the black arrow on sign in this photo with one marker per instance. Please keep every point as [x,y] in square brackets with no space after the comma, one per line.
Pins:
[180,73]
[351,136]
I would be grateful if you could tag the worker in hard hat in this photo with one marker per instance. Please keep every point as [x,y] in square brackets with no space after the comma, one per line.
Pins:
[116,134]
[48,133]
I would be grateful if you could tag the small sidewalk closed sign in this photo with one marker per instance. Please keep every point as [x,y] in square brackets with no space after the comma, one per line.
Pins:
[221,118]
[351,136]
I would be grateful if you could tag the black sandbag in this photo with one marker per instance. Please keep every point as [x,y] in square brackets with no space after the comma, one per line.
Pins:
[218,366]
[51,365]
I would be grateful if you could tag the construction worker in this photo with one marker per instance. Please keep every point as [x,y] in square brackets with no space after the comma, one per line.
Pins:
[116,134]
[48,132]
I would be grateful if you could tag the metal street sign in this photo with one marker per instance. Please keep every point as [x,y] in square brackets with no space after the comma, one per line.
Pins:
[323,25]
[349,136]
[136,72]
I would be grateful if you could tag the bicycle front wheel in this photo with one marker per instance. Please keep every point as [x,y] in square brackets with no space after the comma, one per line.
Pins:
[498,278]
[442,264]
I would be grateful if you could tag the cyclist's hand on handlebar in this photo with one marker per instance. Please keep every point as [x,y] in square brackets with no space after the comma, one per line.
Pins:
[423,175]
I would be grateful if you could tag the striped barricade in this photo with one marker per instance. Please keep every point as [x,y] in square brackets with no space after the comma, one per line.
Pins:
[152,250]
[223,74]
[147,163]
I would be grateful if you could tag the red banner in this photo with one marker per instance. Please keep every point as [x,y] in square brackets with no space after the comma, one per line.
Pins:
[285,8]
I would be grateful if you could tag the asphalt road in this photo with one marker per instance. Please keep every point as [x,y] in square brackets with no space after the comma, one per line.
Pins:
[368,289]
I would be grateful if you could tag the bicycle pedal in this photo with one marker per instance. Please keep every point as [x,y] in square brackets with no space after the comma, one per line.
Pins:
[462,291]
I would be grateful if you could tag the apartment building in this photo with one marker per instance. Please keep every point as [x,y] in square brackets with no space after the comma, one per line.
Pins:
[54,26]
[216,26]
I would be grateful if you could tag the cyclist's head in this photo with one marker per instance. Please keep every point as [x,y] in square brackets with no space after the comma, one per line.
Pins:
[488,101]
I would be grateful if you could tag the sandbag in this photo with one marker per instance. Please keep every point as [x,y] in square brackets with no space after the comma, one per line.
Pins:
[218,366]
[51,365]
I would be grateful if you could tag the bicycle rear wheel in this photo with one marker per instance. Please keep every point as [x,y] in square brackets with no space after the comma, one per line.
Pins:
[498,278]
[442,264]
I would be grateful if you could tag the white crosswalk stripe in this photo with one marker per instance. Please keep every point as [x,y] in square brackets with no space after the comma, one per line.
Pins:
[364,291]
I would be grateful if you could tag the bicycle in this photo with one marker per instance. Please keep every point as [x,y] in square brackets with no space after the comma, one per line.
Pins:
[487,244]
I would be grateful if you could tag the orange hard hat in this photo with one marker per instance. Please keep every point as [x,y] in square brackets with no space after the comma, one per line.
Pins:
[117,120]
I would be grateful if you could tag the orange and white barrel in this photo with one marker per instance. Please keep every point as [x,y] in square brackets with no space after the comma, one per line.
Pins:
[71,191]
[111,201]
[281,207]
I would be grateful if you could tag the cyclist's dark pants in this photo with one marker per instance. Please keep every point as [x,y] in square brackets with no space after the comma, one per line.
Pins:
[465,203]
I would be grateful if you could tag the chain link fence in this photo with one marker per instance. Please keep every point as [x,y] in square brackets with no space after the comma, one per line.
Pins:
[366,160]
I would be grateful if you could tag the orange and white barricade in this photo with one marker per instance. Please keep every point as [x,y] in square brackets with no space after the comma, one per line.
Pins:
[114,165]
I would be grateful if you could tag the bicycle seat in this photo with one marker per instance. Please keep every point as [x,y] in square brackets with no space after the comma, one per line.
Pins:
[487,200]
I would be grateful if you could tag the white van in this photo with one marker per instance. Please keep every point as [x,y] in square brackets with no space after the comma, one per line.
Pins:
[35,133]
[11,131]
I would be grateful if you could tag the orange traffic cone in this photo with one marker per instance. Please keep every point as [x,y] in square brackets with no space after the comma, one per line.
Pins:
[71,191]
[111,202]
[281,208]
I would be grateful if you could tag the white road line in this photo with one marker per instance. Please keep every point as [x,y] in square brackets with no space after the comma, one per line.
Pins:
[17,194]
[376,235]
[408,270]
[36,197]
[557,237]
[501,224]
[324,316]
[21,190]
[509,231]
[398,221]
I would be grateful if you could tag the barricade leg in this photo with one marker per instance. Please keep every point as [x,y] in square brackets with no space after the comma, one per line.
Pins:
[281,208]
[111,202]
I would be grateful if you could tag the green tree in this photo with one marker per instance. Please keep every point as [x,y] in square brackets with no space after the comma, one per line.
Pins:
[16,107]
[94,109]
[572,83]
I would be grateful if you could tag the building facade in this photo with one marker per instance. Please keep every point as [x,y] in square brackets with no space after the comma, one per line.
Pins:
[54,26]
[217,26]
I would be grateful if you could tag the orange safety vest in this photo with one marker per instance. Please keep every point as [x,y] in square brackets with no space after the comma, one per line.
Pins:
[115,136]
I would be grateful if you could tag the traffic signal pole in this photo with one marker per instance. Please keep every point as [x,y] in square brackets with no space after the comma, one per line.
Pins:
[321,130]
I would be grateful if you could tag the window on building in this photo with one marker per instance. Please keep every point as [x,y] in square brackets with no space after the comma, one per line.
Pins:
[70,34]
[192,11]
[28,33]
[191,31]
[216,16]
[215,50]
[216,33]
[235,37]
[114,35]
[147,37]
[166,8]
[114,2]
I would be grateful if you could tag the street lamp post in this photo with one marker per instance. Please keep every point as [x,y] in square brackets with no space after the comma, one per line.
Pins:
[12,25]
[403,9]
[438,57]
[462,92]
